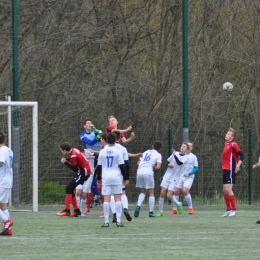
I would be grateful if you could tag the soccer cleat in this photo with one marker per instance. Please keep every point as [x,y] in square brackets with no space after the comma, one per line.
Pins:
[151,214]
[179,208]
[114,218]
[127,215]
[8,232]
[7,224]
[226,213]
[119,224]
[105,225]
[191,211]
[173,212]
[232,213]
[64,213]
[83,215]
[159,214]
[76,213]
[137,211]
[101,214]
[258,222]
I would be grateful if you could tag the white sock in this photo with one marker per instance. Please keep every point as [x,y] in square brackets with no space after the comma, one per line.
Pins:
[3,217]
[175,201]
[118,211]
[174,206]
[6,212]
[106,208]
[140,199]
[124,201]
[112,204]
[151,203]
[82,204]
[161,203]
[188,200]
[78,200]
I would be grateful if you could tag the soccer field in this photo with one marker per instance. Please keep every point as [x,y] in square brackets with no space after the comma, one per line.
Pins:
[204,235]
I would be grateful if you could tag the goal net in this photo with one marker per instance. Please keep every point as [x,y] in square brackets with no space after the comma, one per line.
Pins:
[19,121]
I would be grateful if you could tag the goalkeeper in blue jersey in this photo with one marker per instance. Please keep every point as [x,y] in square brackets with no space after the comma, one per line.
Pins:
[91,136]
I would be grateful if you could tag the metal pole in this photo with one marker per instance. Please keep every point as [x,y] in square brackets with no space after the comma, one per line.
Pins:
[185,103]
[249,166]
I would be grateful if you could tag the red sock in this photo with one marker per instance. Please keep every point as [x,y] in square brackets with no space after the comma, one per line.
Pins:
[233,202]
[102,199]
[68,200]
[90,196]
[74,203]
[227,200]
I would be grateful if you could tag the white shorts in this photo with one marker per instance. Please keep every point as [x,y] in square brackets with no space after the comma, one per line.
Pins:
[185,182]
[144,181]
[111,189]
[86,186]
[165,183]
[172,185]
[4,195]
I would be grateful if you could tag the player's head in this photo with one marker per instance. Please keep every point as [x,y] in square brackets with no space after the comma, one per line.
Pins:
[111,138]
[118,135]
[112,121]
[104,139]
[230,135]
[185,147]
[2,138]
[87,124]
[157,145]
[65,148]
[190,144]
[81,148]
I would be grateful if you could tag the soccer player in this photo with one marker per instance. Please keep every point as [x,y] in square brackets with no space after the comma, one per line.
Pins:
[111,165]
[257,165]
[232,157]
[150,160]
[83,189]
[171,178]
[126,155]
[6,182]
[79,164]
[187,175]
[113,127]
[91,136]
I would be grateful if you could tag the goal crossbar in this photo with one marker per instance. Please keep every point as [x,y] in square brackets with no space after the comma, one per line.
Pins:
[34,105]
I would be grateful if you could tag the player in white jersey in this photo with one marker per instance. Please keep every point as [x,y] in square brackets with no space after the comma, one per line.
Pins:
[6,183]
[83,189]
[111,165]
[124,199]
[187,176]
[150,160]
[171,178]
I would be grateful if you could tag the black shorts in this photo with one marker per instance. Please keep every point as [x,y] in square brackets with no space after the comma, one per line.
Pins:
[229,177]
[78,179]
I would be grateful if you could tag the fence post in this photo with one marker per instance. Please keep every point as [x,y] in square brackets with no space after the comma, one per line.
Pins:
[249,166]
[169,141]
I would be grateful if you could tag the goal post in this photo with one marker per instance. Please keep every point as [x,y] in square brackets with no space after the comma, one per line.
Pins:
[19,120]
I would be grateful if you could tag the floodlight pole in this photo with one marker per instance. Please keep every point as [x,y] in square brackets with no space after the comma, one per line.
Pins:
[185,72]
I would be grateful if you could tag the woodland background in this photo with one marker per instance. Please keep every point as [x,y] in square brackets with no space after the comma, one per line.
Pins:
[95,58]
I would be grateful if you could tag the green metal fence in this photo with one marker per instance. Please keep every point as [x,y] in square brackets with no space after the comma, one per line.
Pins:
[207,186]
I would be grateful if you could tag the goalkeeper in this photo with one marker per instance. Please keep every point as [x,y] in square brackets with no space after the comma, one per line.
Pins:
[91,136]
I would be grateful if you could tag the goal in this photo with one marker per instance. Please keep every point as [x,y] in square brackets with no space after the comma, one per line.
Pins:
[19,121]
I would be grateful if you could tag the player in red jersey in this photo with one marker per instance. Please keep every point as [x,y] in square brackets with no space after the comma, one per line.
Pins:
[113,126]
[79,164]
[232,157]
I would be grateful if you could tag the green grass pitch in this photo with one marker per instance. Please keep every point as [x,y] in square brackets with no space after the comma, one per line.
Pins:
[204,235]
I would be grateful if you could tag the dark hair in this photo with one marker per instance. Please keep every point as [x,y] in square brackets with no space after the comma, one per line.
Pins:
[104,136]
[157,145]
[88,119]
[2,138]
[111,138]
[65,146]
[81,148]
[118,135]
